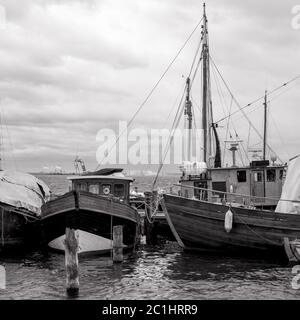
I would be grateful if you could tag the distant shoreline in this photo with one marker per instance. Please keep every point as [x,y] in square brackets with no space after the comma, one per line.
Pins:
[73,173]
[53,174]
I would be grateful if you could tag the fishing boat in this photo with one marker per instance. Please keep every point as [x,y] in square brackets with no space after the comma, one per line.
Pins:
[21,198]
[97,201]
[231,209]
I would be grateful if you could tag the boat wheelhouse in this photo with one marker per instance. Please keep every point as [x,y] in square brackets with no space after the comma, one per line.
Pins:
[259,184]
[111,185]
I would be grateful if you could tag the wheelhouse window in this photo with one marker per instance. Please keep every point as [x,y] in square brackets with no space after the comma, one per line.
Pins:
[94,188]
[281,174]
[119,190]
[271,175]
[242,176]
[106,189]
[258,177]
[82,186]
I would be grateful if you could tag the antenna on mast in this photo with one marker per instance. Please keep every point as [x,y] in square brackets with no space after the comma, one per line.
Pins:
[234,144]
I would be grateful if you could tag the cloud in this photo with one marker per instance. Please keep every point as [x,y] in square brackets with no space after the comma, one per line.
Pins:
[69,68]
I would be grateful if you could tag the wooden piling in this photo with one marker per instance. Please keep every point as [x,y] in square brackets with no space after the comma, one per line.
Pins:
[118,244]
[71,261]
[150,198]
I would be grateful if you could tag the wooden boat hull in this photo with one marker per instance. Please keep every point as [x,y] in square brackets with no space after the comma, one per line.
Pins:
[90,214]
[200,225]
[17,228]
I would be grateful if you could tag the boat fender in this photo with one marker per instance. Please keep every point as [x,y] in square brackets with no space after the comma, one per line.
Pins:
[106,190]
[228,220]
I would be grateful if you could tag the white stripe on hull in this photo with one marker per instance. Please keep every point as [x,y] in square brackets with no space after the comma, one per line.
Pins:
[88,242]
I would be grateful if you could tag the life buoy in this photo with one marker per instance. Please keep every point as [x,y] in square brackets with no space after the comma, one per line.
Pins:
[228,221]
[106,190]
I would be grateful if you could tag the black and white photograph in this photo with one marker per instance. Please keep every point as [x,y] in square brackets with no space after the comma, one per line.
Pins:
[149,150]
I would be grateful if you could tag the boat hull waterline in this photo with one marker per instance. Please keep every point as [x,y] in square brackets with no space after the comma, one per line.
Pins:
[199,225]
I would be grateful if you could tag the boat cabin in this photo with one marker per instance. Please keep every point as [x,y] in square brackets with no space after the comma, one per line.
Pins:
[111,184]
[258,184]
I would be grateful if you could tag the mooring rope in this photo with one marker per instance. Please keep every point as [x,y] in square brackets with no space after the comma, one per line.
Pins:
[153,204]
[254,232]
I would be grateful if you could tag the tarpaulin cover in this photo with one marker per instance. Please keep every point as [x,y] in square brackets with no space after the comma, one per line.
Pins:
[23,190]
[291,189]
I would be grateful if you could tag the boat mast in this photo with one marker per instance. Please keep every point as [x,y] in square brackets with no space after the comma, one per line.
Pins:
[189,114]
[205,69]
[265,125]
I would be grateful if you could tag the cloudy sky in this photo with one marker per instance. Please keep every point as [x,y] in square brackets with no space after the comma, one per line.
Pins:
[71,68]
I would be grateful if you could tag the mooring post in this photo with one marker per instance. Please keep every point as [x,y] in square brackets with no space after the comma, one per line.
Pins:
[148,214]
[71,260]
[150,203]
[118,244]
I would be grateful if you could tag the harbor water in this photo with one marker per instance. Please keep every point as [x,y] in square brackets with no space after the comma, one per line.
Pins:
[162,271]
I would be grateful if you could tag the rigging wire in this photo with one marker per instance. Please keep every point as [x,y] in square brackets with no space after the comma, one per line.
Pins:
[241,109]
[248,140]
[283,145]
[256,100]
[171,136]
[227,128]
[152,91]
[283,92]
[196,70]
[223,104]
[221,94]
[3,123]
[272,118]
[194,60]
[173,106]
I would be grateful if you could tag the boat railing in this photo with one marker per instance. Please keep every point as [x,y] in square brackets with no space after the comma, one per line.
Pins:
[245,199]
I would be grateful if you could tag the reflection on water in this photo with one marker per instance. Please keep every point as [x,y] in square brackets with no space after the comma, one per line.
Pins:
[158,272]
